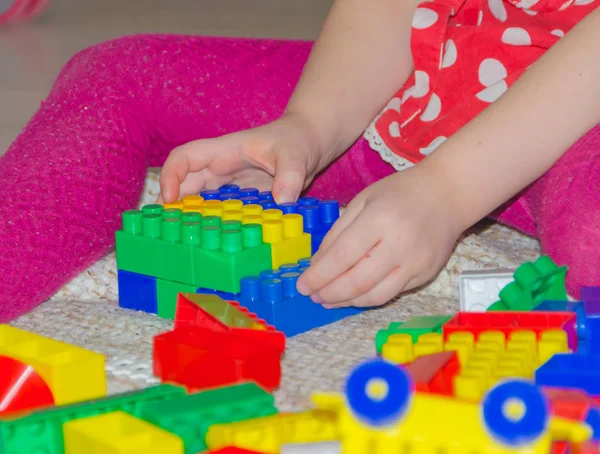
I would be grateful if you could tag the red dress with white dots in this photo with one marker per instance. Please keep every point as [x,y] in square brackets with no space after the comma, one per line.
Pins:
[466,54]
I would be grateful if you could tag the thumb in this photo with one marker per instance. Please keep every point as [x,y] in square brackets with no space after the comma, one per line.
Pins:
[290,175]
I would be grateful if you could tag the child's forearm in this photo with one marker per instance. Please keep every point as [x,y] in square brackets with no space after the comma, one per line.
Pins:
[359,61]
[514,141]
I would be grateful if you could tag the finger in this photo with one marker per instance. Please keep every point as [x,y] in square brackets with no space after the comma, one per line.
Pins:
[191,157]
[349,215]
[360,279]
[386,290]
[351,245]
[290,175]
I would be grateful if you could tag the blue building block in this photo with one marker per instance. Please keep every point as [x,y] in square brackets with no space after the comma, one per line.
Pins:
[137,292]
[567,306]
[273,297]
[318,217]
[576,370]
[591,308]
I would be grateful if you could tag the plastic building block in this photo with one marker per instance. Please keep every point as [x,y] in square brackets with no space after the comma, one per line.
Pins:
[158,242]
[481,288]
[185,247]
[415,327]
[270,433]
[41,431]
[435,373]
[289,243]
[570,403]
[571,371]
[507,322]
[167,293]
[567,306]
[190,416]
[273,297]
[210,311]
[482,363]
[72,373]
[118,433]
[591,308]
[533,283]
[21,388]
[375,409]
[324,447]
[496,358]
[201,358]
[137,292]
[434,423]
[318,217]
[234,450]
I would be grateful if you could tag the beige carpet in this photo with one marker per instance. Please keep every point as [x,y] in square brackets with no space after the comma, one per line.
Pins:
[86,313]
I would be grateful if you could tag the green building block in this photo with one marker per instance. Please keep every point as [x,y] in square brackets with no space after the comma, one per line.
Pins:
[534,283]
[228,254]
[190,416]
[41,432]
[159,243]
[415,326]
[166,295]
[186,248]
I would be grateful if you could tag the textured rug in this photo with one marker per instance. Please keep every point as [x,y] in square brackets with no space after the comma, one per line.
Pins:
[86,313]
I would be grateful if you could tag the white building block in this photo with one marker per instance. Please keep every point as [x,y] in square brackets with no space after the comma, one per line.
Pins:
[326,447]
[480,289]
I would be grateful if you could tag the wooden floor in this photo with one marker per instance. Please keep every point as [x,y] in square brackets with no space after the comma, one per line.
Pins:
[32,54]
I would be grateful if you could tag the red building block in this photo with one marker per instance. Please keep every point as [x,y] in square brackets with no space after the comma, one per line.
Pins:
[508,322]
[21,388]
[201,358]
[569,403]
[435,373]
[212,312]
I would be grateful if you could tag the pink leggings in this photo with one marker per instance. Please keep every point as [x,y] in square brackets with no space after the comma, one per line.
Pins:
[121,106]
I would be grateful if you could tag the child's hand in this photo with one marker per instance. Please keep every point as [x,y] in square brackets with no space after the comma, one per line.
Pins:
[394,236]
[282,156]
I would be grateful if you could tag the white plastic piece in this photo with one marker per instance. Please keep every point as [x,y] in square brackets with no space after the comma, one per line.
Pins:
[325,447]
[480,289]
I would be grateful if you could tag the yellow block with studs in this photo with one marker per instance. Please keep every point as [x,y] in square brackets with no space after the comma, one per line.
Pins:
[485,362]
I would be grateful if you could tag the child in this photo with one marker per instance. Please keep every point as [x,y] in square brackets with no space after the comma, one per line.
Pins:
[222,106]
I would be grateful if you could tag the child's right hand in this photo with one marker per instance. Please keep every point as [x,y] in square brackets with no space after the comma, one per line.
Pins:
[283,156]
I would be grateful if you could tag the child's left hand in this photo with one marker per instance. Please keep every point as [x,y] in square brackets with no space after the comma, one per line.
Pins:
[395,235]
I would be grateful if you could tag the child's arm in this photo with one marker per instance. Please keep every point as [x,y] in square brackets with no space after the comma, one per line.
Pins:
[527,130]
[398,233]
[361,58]
[359,61]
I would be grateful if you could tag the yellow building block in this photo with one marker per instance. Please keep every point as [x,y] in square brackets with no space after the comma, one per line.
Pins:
[289,243]
[118,433]
[72,373]
[268,434]
[485,362]
[437,424]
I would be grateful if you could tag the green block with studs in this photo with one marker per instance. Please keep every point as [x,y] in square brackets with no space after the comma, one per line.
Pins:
[190,416]
[159,243]
[415,326]
[229,252]
[166,296]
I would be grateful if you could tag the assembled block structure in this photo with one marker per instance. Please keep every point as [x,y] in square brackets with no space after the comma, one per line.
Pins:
[234,243]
